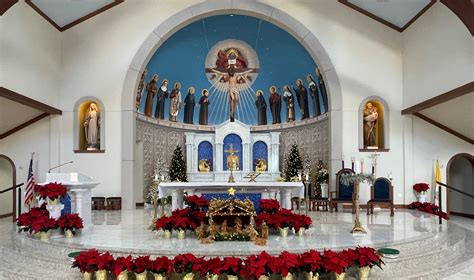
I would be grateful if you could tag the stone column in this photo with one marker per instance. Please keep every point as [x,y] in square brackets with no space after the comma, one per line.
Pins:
[218,157]
[274,152]
[190,152]
[246,158]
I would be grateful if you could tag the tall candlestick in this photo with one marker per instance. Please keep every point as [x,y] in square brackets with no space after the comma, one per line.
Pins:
[361,165]
[342,158]
[353,163]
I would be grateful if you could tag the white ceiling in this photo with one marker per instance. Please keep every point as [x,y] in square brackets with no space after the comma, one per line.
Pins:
[63,12]
[12,114]
[457,114]
[397,12]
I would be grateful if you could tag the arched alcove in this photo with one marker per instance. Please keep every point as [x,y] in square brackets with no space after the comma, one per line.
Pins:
[373,125]
[205,157]
[81,109]
[459,174]
[232,141]
[209,8]
[260,156]
[7,179]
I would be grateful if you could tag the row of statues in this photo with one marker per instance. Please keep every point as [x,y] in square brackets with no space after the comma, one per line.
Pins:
[275,100]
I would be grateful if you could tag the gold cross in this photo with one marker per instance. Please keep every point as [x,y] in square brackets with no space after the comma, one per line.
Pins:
[231,150]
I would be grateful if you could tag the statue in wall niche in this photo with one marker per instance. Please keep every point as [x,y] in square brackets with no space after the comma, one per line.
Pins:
[275,105]
[91,127]
[189,103]
[370,125]
[261,165]
[204,108]
[261,105]
[160,104]
[302,97]
[290,103]
[322,90]
[232,159]
[152,89]
[175,102]
[140,89]
[313,89]
[204,165]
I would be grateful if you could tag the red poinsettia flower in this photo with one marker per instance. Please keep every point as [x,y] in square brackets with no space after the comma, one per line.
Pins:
[269,206]
[122,264]
[92,260]
[162,265]
[185,263]
[365,256]
[288,263]
[183,223]
[141,264]
[42,223]
[51,190]
[421,187]
[70,222]
[196,202]
[211,266]
[165,223]
[231,265]
[310,261]
[333,262]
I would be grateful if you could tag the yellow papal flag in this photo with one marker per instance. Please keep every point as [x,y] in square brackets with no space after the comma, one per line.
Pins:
[438,172]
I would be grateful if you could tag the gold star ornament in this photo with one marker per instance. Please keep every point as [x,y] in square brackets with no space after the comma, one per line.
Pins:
[231,191]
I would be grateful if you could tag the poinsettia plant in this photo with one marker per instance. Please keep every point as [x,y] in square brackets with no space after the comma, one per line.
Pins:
[269,206]
[366,256]
[141,263]
[186,263]
[310,262]
[428,208]
[256,266]
[333,262]
[301,221]
[161,265]
[92,260]
[70,222]
[211,266]
[196,202]
[43,224]
[122,264]
[421,187]
[51,190]
[183,223]
[164,223]
[287,263]
[231,266]
[25,220]
[283,218]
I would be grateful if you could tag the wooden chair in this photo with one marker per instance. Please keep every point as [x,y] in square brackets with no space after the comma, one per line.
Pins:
[114,203]
[344,193]
[98,203]
[381,193]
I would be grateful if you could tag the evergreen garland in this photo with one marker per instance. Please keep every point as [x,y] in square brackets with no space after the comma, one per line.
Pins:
[178,166]
[293,163]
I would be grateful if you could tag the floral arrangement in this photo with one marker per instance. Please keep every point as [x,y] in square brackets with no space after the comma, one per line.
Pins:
[51,190]
[181,220]
[122,264]
[301,221]
[269,206]
[164,223]
[428,208]
[251,267]
[25,220]
[322,175]
[348,178]
[70,222]
[43,224]
[421,187]
[196,202]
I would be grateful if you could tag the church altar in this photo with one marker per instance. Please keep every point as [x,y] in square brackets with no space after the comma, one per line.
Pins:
[287,190]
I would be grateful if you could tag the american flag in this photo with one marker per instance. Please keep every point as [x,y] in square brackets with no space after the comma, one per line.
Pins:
[30,184]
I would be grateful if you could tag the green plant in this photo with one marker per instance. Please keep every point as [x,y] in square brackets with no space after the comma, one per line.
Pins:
[178,166]
[294,163]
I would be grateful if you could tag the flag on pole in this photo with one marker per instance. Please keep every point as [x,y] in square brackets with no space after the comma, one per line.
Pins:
[437,172]
[30,183]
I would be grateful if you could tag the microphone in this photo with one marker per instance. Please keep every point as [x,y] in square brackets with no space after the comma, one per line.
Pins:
[49,171]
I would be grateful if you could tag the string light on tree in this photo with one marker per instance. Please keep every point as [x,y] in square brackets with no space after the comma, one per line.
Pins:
[178,166]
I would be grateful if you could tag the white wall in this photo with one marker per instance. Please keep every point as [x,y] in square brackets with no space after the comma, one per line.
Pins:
[438,55]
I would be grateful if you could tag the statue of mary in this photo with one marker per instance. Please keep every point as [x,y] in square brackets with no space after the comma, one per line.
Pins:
[91,127]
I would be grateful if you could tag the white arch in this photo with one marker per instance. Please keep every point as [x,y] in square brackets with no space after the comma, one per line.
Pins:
[220,7]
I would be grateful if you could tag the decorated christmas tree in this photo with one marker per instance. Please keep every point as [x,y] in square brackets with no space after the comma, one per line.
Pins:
[293,163]
[178,166]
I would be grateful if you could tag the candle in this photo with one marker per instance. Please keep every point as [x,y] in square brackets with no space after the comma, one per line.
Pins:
[162,178]
[307,177]
[342,158]
[155,177]
[353,163]
[361,165]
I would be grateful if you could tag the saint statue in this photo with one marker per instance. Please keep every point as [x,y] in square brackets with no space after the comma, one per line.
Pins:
[91,127]
[238,225]
[152,89]
[175,102]
[261,105]
[233,76]
[302,97]
[204,165]
[203,109]
[189,104]
[275,105]
[160,104]
[313,89]
[232,159]
[140,89]
[322,90]
[261,165]
[370,122]
[290,103]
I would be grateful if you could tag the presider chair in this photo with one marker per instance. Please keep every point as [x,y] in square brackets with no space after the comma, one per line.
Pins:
[381,193]
[344,193]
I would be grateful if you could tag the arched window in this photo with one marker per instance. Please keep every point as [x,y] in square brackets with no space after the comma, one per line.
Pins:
[89,125]
[260,156]
[235,142]
[373,125]
[205,157]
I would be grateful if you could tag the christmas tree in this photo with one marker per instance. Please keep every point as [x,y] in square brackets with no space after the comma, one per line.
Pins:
[293,163]
[178,166]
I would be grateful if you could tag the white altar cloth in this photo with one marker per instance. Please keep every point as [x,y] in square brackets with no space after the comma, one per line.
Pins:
[267,189]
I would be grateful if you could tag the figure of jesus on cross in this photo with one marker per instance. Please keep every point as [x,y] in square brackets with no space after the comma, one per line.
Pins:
[232,76]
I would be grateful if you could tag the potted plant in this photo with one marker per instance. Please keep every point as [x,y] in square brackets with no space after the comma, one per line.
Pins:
[269,206]
[195,202]
[301,223]
[121,267]
[365,258]
[211,268]
[322,177]
[231,267]
[161,267]
[336,263]
[283,221]
[51,191]
[140,266]
[186,265]
[257,266]
[181,224]
[104,264]
[92,261]
[25,220]
[43,225]
[310,263]
[166,224]
[70,223]
[421,189]
[287,265]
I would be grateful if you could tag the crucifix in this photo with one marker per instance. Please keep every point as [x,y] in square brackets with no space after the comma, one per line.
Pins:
[233,76]
[232,162]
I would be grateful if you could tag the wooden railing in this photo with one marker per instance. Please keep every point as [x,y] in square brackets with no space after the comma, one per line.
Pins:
[440,185]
